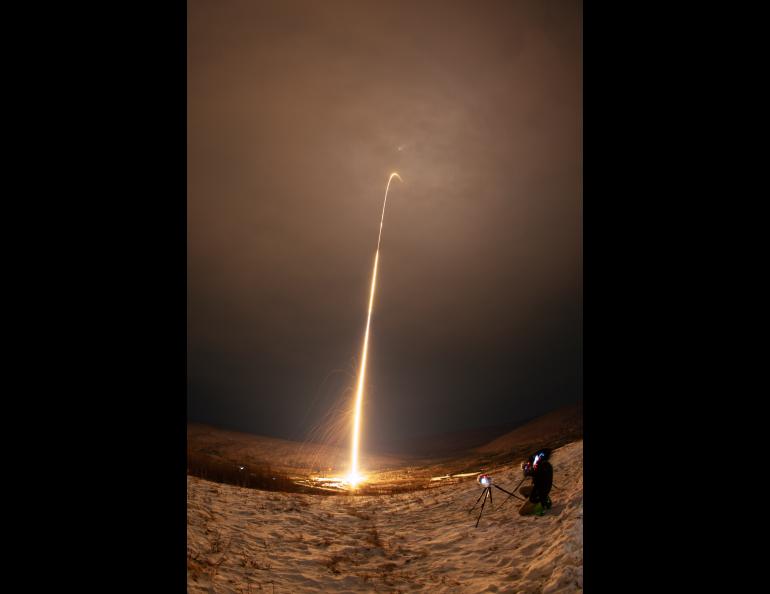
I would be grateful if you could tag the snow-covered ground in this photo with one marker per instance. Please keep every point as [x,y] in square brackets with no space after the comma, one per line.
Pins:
[245,540]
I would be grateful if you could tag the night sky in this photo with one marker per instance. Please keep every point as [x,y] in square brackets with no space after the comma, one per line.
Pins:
[297,114]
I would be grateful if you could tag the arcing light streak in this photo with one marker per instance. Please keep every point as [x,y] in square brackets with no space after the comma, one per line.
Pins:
[354,477]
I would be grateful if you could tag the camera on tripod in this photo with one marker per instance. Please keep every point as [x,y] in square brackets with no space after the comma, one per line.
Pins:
[485,480]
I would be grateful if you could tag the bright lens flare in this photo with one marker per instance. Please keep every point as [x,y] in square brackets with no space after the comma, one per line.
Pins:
[354,477]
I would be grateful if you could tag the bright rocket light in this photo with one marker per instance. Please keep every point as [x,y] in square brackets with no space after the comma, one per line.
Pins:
[354,477]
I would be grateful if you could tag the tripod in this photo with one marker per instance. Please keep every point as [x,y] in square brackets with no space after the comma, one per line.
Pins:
[487,492]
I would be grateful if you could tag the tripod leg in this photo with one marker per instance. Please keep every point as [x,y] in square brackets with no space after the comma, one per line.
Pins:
[490,499]
[483,503]
[509,495]
[504,502]
[477,502]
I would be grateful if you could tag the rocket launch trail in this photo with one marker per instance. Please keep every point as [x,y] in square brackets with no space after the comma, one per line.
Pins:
[354,477]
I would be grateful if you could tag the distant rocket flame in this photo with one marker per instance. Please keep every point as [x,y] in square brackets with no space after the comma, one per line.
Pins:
[354,477]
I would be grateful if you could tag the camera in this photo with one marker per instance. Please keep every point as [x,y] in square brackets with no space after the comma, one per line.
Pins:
[484,480]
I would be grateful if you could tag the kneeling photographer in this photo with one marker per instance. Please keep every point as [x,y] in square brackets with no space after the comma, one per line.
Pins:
[541,472]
